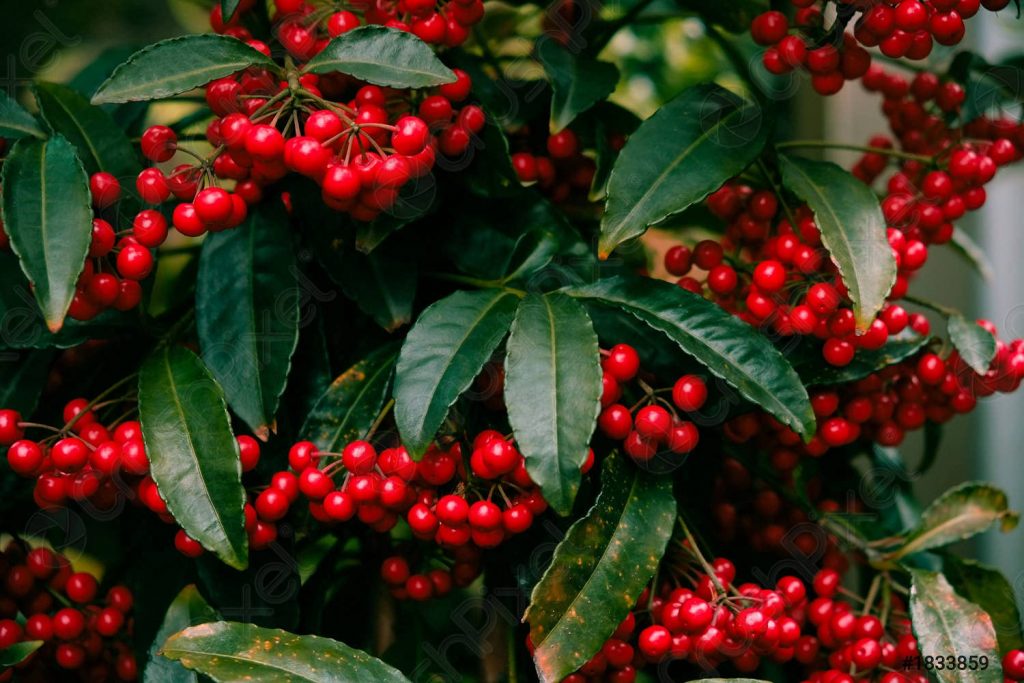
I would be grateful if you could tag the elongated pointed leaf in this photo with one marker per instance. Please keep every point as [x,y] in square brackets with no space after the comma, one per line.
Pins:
[679,156]
[193,454]
[600,568]
[946,625]
[382,283]
[814,371]
[247,314]
[23,376]
[188,609]
[577,81]
[101,143]
[178,65]
[961,512]
[228,8]
[47,215]
[987,588]
[19,652]
[727,346]
[852,229]
[15,122]
[976,345]
[230,652]
[384,56]
[351,404]
[553,392]
[444,352]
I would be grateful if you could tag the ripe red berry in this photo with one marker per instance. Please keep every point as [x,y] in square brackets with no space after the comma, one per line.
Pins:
[249,452]
[159,143]
[105,189]
[272,505]
[134,262]
[622,362]
[653,422]
[769,28]
[81,587]
[689,393]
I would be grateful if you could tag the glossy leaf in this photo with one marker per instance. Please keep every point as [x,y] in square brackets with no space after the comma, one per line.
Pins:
[725,345]
[814,371]
[960,513]
[188,609]
[23,376]
[231,652]
[178,65]
[444,352]
[48,216]
[247,314]
[600,568]
[553,392]
[947,625]
[686,151]
[101,143]
[382,283]
[976,345]
[193,454]
[19,652]
[348,408]
[15,122]
[228,9]
[578,82]
[384,56]
[971,252]
[987,588]
[933,432]
[852,229]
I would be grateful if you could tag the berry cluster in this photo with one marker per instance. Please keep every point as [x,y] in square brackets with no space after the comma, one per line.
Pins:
[708,621]
[653,428]
[304,28]
[459,567]
[361,147]
[85,636]
[562,171]
[885,405]
[832,55]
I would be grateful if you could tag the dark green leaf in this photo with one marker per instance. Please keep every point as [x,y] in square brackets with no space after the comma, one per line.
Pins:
[734,15]
[247,314]
[960,513]
[553,392]
[228,8]
[814,371]
[852,229]
[600,568]
[382,283]
[444,352]
[101,143]
[947,625]
[188,609]
[47,215]
[193,454]
[19,652]
[351,404]
[23,376]
[976,345]
[971,252]
[679,156]
[987,588]
[725,345]
[231,652]
[579,82]
[932,441]
[887,486]
[15,122]
[384,56]
[178,65]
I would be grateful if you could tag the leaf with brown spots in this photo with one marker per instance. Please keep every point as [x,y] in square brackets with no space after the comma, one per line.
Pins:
[946,626]
[961,512]
[600,568]
[228,652]
[351,404]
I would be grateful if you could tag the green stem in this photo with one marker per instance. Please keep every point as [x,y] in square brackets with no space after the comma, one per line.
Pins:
[695,550]
[826,144]
[931,305]
[97,400]
[777,189]
[380,418]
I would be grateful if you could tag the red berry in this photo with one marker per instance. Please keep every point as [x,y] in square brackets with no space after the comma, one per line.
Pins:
[622,362]
[159,143]
[186,545]
[105,189]
[689,393]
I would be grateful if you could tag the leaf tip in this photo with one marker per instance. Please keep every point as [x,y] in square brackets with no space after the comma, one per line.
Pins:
[55,326]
